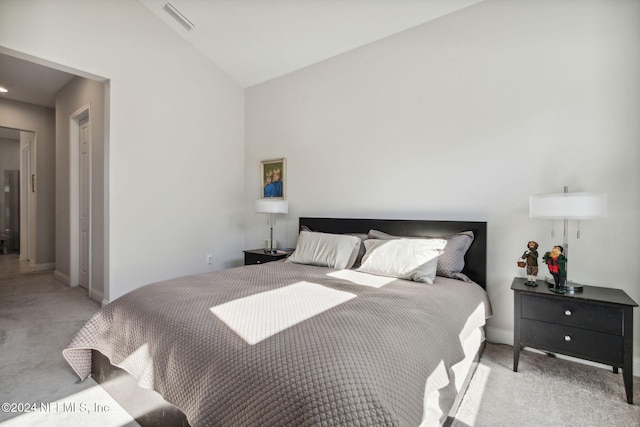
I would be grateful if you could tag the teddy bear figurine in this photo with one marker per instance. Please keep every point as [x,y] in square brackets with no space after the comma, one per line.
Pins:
[530,257]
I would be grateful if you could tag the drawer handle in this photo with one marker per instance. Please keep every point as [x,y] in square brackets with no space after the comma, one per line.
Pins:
[567,312]
[567,338]
[258,262]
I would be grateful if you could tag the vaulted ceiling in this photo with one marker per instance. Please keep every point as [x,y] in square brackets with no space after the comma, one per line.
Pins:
[258,40]
[254,40]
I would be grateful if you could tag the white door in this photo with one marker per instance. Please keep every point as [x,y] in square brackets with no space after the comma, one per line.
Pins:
[85,203]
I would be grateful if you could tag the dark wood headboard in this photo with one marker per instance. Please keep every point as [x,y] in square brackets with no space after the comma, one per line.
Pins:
[475,259]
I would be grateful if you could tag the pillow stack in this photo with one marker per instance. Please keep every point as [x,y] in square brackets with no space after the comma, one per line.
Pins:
[412,258]
[451,263]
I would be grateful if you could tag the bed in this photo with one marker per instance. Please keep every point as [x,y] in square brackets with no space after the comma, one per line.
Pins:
[317,339]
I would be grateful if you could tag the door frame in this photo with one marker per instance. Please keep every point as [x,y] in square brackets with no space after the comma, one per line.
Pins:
[79,115]
[27,196]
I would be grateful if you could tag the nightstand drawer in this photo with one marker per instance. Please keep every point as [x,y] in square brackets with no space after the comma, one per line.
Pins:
[259,256]
[591,345]
[567,312]
[250,259]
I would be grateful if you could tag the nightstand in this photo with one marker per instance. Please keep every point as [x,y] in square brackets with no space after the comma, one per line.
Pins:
[258,256]
[595,324]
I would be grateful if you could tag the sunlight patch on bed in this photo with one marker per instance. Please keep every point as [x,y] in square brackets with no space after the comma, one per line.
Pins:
[437,380]
[260,316]
[90,407]
[140,364]
[471,338]
[438,387]
[360,278]
[468,411]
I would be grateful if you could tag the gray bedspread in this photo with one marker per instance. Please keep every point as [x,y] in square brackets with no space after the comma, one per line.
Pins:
[363,362]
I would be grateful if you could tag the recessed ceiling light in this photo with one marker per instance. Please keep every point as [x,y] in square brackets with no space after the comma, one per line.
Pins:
[3,90]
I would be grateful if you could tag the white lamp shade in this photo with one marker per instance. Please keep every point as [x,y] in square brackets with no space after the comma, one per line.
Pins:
[568,206]
[275,206]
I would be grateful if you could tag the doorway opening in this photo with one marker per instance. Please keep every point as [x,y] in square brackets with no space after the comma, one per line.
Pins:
[17,216]
[71,215]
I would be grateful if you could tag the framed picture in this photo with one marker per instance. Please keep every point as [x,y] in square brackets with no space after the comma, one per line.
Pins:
[274,178]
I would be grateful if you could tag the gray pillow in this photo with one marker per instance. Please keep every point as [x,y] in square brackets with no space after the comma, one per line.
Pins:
[451,262]
[361,236]
[326,250]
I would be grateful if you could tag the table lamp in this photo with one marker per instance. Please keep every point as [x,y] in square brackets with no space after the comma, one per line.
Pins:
[568,206]
[272,207]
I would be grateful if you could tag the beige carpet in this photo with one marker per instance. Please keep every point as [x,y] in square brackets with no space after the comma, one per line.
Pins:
[546,391]
[39,316]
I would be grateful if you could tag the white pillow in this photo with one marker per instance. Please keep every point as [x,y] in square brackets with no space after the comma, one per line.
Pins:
[410,259]
[326,250]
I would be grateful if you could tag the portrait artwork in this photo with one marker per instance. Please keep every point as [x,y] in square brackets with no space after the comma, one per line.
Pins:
[273,178]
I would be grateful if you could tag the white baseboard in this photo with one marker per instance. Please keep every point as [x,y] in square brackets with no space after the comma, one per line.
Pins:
[499,336]
[93,294]
[502,336]
[96,295]
[43,267]
[61,277]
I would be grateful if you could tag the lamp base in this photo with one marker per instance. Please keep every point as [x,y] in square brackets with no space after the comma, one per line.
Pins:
[270,251]
[569,288]
[572,288]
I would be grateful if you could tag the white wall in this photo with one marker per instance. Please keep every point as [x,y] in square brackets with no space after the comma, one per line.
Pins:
[77,94]
[175,138]
[463,118]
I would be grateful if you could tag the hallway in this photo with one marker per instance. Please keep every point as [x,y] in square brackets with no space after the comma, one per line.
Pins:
[11,265]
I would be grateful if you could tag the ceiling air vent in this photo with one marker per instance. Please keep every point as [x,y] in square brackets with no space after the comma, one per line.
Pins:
[178,16]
